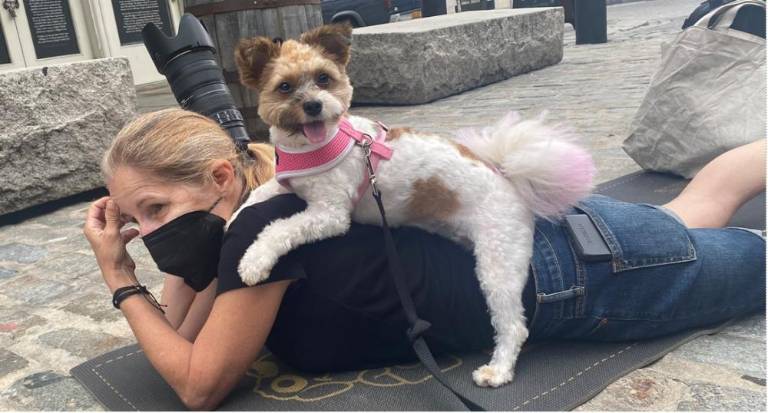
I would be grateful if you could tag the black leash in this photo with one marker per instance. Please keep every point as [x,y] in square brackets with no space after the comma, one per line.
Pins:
[417,325]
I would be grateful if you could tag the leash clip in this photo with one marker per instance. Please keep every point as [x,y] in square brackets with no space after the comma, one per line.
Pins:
[366,144]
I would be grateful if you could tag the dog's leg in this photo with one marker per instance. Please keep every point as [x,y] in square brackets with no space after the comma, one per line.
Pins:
[503,247]
[320,220]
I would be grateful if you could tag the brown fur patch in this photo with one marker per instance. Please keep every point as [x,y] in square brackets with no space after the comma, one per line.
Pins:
[333,39]
[252,56]
[431,199]
[396,133]
[466,152]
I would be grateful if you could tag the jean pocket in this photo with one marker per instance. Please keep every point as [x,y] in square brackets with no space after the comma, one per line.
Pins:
[638,235]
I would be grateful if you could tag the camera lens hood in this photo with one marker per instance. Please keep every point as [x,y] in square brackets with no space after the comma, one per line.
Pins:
[163,49]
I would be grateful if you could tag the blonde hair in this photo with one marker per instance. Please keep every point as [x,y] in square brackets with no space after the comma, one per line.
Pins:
[179,146]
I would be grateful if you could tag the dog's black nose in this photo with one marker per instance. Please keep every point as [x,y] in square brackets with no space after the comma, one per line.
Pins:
[313,107]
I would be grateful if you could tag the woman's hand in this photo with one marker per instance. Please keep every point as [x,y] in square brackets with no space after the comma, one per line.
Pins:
[102,229]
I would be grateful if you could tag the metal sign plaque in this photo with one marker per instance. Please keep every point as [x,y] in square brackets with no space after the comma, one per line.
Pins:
[537,3]
[132,15]
[469,5]
[5,57]
[53,32]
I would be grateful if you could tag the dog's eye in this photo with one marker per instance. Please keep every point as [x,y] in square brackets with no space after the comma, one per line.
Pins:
[284,87]
[323,79]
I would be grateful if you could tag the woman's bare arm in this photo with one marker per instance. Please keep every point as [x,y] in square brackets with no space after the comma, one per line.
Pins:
[198,312]
[204,372]
[185,309]
[177,297]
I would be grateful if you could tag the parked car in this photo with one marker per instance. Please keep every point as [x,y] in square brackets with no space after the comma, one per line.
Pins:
[361,13]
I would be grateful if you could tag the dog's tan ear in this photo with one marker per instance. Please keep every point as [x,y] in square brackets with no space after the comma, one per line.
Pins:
[333,39]
[252,56]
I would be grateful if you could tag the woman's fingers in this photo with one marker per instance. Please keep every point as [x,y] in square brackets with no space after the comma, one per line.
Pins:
[112,217]
[103,223]
[102,229]
[95,218]
[129,234]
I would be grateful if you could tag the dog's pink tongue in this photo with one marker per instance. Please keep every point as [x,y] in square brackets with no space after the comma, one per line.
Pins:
[314,131]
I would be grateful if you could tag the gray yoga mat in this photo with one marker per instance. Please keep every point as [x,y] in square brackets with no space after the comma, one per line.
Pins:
[558,375]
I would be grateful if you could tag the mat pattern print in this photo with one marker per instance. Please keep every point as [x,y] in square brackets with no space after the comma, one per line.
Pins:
[549,376]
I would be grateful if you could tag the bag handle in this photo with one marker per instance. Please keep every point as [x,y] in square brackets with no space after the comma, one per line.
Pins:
[723,16]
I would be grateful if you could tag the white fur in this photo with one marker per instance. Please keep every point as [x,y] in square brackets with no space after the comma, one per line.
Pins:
[548,170]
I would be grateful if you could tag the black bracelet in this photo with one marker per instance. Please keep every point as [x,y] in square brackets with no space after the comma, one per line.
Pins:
[124,292]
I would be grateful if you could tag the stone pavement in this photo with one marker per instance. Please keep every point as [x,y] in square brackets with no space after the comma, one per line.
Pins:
[55,312]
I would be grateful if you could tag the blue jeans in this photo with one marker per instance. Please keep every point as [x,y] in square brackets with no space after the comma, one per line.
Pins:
[662,278]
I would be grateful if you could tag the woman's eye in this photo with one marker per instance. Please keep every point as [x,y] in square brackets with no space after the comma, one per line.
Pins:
[284,87]
[323,79]
[155,209]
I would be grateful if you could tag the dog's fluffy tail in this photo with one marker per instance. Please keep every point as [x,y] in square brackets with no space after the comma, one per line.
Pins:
[548,169]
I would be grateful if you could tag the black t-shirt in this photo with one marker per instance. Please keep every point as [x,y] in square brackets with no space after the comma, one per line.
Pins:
[342,311]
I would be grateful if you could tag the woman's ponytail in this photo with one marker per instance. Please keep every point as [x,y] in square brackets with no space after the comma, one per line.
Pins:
[259,167]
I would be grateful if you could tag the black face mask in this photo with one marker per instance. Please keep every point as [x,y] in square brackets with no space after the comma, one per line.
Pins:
[189,247]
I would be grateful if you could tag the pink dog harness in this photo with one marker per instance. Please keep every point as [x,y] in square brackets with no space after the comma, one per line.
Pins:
[292,163]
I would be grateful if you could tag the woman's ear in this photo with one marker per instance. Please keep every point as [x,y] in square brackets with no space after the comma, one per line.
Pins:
[251,58]
[223,174]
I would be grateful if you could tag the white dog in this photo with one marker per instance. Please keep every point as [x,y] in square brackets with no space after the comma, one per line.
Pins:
[484,191]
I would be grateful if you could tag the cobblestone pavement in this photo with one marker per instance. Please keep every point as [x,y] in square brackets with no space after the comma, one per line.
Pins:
[55,311]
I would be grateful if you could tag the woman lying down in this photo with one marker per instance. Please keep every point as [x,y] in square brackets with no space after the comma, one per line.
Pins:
[331,305]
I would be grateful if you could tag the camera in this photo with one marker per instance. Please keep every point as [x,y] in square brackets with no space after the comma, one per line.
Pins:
[188,63]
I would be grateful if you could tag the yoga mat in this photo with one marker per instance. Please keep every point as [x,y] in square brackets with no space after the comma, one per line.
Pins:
[557,375]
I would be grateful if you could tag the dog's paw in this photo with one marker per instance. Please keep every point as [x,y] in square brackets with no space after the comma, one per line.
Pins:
[256,265]
[490,375]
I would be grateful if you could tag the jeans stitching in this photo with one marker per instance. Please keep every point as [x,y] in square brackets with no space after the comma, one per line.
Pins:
[573,292]
[622,264]
[581,280]
[608,236]
[535,275]
[550,258]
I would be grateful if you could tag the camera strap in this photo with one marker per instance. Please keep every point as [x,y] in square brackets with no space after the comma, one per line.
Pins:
[417,325]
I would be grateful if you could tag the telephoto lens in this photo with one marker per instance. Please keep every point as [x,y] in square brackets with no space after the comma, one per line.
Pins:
[197,82]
